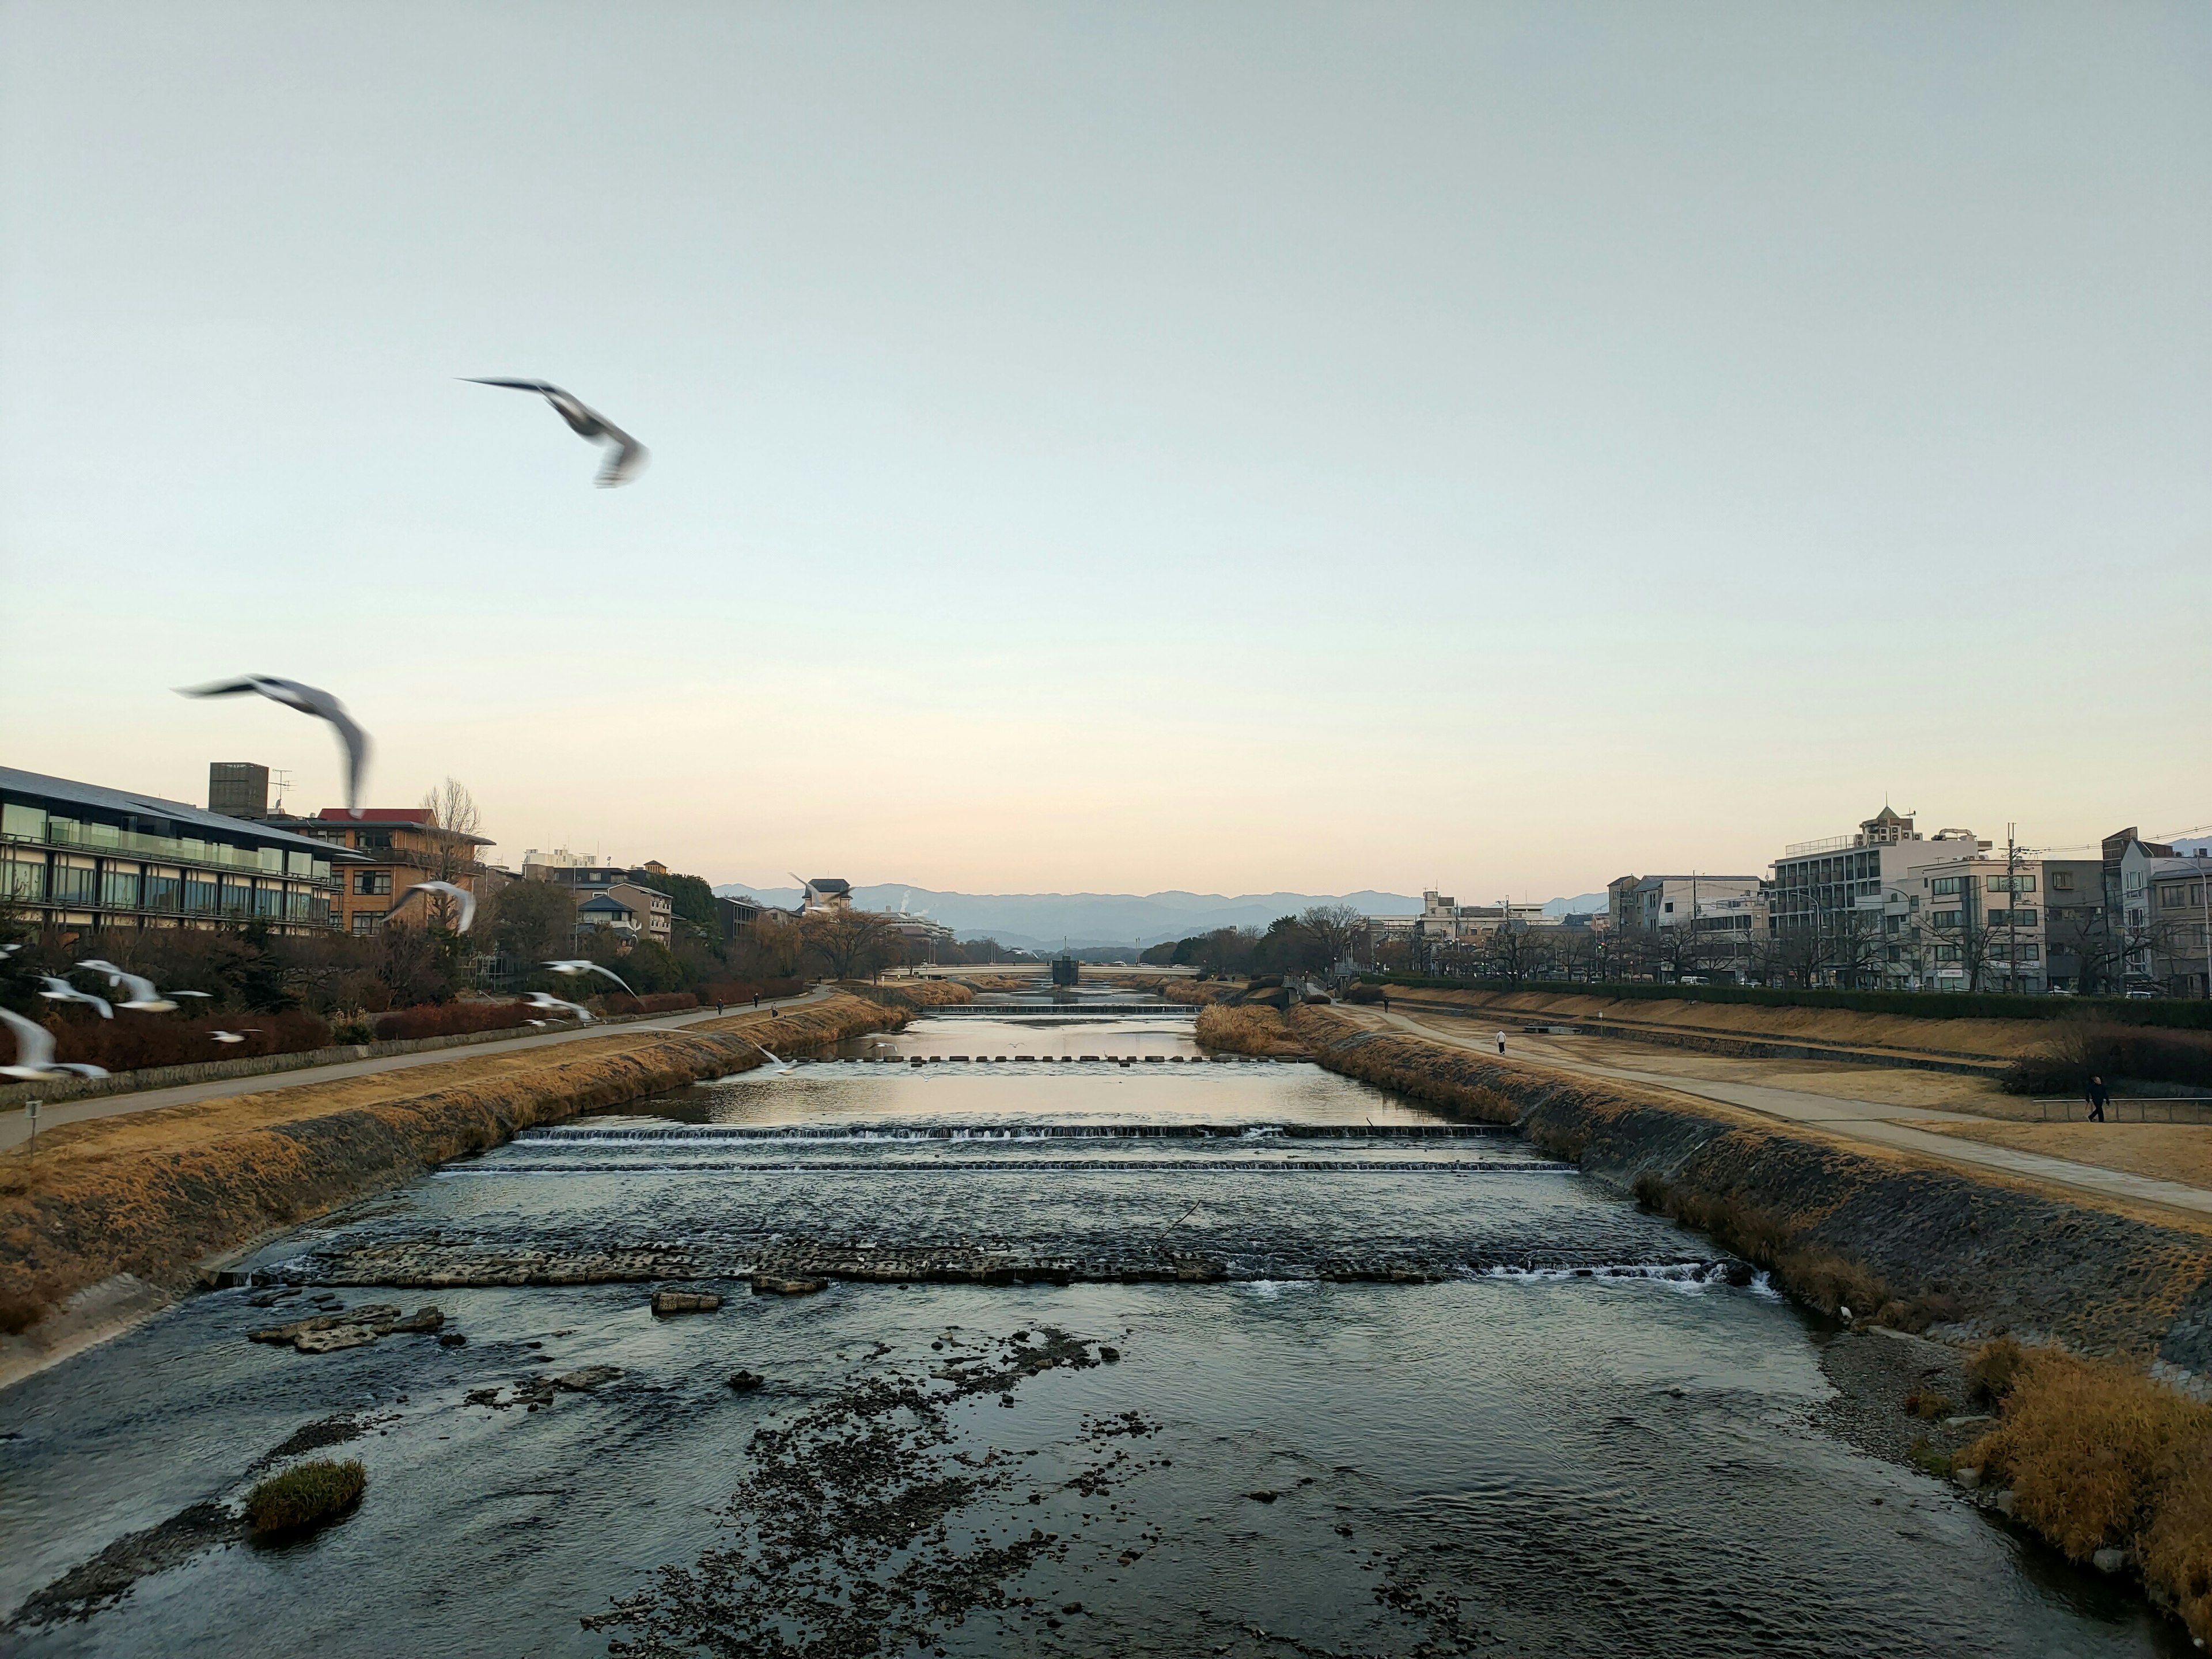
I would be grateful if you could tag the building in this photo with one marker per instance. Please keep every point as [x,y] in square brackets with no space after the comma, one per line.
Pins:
[1838,906]
[83,856]
[655,910]
[825,893]
[737,917]
[583,870]
[395,847]
[2168,910]
[605,910]
[238,789]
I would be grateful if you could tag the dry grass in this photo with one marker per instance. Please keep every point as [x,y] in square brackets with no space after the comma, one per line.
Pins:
[2163,1151]
[305,1494]
[1991,1039]
[1193,992]
[151,1193]
[2099,1454]
[1259,1031]
[917,993]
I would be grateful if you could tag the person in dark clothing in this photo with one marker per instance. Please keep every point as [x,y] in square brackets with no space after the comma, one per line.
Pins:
[1385,1002]
[718,1005]
[2098,1094]
[756,999]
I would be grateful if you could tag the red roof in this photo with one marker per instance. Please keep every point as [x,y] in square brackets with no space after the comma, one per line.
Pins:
[378,814]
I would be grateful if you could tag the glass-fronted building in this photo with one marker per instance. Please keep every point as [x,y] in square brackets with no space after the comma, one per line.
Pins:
[78,855]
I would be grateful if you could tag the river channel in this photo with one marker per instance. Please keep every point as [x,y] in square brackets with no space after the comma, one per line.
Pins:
[1141,1352]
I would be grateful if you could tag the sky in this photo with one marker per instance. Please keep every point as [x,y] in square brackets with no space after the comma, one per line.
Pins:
[1224,446]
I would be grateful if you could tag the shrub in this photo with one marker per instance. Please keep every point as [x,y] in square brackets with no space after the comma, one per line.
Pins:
[737,991]
[305,1494]
[2084,1050]
[2087,1445]
[1364,993]
[132,1042]
[1928,1405]
[1992,1368]
[2177,1546]
[352,1027]
[433,1019]
[2184,1013]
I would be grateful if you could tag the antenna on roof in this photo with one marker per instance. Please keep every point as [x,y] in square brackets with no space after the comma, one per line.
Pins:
[281,778]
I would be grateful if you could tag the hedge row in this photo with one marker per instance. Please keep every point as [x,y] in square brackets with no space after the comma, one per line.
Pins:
[433,1019]
[2178,1012]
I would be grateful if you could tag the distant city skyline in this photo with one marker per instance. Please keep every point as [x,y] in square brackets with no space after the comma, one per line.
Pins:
[1254,447]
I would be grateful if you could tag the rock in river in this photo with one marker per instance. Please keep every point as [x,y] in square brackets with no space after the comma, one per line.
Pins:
[683,1302]
[746,1382]
[775,1284]
[590,1378]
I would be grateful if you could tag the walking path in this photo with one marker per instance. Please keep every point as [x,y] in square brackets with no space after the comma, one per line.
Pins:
[16,1127]
[1860,1120]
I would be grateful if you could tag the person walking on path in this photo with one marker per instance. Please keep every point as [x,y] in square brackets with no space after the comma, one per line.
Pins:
[718,1006]
[1501,1045]
[1385,1002]
[2098,1094]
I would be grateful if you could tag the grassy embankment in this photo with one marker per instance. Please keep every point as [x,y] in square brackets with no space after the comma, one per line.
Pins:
[151,1193]
[1247,1030]
[915,996]
[2097,1453]
[1992,1040]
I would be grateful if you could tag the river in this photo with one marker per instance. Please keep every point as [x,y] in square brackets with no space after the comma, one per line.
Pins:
[1234,1358]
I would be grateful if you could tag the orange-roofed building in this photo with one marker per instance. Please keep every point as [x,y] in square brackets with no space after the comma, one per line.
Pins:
[402,845]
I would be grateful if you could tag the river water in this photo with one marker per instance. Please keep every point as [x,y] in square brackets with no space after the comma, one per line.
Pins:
[1248,1358]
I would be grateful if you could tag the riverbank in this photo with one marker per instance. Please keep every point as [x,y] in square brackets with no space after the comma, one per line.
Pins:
[113,1218]
[1876,1240]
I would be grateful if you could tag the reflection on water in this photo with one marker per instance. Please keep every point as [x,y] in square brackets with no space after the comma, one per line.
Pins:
[1511,1459]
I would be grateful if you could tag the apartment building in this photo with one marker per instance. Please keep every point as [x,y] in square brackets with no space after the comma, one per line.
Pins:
[1986,921]
[79,856]
[393,849]
[2168,900]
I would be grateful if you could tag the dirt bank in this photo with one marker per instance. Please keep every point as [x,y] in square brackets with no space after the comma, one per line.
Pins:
[133,1204]
[1971,1256]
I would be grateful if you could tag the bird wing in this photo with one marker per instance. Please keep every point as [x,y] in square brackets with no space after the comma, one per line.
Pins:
[142,990]
[543,388]
[34,1044]
[82,1069]
[357,747]
[582,420]
[627,461]
[255,683]
[613,975]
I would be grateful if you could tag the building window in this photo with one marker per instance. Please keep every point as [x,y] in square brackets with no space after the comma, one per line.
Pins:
[1944,886]
[2010,884]
[73,881]
[2062,881]
[161,889]
[119,887]
[367,921]
[372,884]
[2170,897]
[22,878]
[237,897]
[1944,918]
[1949,953]
[200,897]
[23,823]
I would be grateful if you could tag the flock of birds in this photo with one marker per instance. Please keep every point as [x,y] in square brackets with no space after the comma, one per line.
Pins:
[35,1044]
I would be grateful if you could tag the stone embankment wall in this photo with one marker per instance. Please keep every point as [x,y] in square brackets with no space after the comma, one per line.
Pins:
[1972,1256]
[152,1194]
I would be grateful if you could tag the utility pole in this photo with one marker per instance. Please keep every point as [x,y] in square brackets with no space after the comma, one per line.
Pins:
[2012,911]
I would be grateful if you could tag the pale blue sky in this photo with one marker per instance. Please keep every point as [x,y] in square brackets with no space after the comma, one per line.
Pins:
[1227,447]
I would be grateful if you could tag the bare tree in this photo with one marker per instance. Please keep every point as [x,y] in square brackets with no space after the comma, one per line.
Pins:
[1333,928]
[847,943]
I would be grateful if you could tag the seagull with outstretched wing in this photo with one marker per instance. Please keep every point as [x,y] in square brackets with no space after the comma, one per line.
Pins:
[34,1052]
[60,990]
[145,998]
[584,965]
[628,458]
[548,1001]
[308,700]
[466,899]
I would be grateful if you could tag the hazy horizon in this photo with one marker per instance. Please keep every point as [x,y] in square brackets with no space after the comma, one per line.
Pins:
[1247,448]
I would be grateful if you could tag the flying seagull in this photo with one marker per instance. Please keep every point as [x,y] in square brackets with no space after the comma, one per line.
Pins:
[308,701]
[468,900]
[628,458]
[34,1052]
[548,1001]
[581,966]
[235,1036]
[60,990]
[145,998]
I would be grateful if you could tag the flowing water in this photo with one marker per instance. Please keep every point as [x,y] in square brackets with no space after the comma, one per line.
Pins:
[1167,1357]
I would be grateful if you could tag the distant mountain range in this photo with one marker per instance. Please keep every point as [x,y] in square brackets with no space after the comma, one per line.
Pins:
[1038,922]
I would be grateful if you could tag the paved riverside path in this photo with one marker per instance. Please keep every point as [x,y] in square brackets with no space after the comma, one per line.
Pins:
[1872,1121]
[16,1127]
